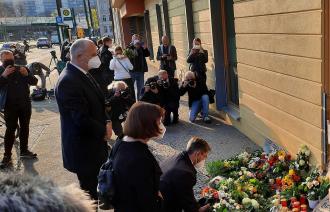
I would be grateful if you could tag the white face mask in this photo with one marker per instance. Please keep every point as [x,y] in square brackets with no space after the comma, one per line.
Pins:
[163,129]
[94,62]
[200,164]
[198,47]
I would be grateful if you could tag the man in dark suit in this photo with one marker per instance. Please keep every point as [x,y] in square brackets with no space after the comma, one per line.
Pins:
[106,57]
[179,178]
[167,56]
[82,111]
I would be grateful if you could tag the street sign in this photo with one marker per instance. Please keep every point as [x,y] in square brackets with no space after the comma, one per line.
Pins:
[59,20]
[67,17]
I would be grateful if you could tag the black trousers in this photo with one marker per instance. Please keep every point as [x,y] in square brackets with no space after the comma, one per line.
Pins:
[171,108]
[88,182]
[13,114]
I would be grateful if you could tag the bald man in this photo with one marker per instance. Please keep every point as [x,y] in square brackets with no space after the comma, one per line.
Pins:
[167,56]
[84,128]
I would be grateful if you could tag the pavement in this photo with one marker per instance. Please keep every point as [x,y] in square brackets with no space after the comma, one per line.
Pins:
[45,138]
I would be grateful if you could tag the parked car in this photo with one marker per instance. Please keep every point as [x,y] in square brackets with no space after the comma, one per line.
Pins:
[6,46]
[41,42]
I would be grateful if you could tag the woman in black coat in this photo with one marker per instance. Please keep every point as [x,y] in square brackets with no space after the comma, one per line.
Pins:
[197,59]
[136,171]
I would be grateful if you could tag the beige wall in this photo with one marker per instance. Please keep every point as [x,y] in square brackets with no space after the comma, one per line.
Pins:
[279,50]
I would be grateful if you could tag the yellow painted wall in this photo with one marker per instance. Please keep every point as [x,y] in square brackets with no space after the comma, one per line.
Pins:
[202,27]
[279,52]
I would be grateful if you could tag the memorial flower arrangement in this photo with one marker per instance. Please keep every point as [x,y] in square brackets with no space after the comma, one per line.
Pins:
[263,182]
[128,53]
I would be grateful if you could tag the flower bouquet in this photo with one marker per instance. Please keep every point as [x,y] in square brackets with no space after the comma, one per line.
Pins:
[264,182]
[128,53]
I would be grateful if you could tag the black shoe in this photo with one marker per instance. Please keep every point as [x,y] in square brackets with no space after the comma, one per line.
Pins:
[6,161]
[28,155]
[207,120]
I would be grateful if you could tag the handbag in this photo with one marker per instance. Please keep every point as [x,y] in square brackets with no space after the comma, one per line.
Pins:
[3,97]
[211,94]
[123,66]
[106,185]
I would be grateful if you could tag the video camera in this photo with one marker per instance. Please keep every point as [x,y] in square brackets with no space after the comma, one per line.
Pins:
[53,54]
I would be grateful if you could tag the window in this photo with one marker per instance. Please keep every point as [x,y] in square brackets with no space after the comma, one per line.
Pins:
[104,18]
[105,29]
[229,36]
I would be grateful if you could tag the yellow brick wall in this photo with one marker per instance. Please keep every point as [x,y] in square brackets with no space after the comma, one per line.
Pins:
[279,52]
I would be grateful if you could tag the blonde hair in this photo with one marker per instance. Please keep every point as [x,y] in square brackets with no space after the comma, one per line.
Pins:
[117,84]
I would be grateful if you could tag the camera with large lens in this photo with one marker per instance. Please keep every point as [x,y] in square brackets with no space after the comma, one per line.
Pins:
[191,83]
[163,83]
[152,85]
[124,93]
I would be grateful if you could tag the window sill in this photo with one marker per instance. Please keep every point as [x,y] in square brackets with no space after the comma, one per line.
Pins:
[233,112]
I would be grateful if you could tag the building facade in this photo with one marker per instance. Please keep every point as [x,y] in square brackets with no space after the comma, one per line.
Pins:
[103,9]
[268,60]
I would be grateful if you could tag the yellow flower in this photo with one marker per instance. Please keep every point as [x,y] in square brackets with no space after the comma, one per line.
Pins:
[281,153]
[291,172]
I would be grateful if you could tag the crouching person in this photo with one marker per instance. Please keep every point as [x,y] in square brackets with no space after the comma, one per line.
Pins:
[170,97]
[150,92]
[118,103]
[179,178]
[198,98]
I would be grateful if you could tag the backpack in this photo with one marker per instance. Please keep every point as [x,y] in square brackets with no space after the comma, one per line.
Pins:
[39,94]
[106,185]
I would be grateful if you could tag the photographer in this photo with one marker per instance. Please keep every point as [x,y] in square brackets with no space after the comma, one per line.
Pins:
[197,96]
[16,80]
[37,68]
[197,59]
[167,56]
[151,92]
[117,105]
[20,57]
[170,97]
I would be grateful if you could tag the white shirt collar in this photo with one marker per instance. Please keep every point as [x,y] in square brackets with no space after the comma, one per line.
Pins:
[80,69]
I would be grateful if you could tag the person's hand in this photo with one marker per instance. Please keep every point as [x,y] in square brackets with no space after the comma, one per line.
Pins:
[146,88]
[204,208]
[117,93]
[23,71]
[160,195]
[169,57]
[194,51]
[185,83]
[8,71]
[108,132]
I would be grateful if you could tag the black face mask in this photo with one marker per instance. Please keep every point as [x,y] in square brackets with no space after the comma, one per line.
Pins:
[8,63]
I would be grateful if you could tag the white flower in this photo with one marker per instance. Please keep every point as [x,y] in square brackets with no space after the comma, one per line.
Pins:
[309,185]
[246,201]
[238,207]
[217,206]
[307,152]
[271,181]
[301,162]
[255,204]
[316,183]
[231,201]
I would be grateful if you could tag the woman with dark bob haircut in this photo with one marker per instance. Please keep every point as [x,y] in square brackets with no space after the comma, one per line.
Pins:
[136,171]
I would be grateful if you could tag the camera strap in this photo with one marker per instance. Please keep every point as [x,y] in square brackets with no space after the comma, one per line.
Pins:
[123,66]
